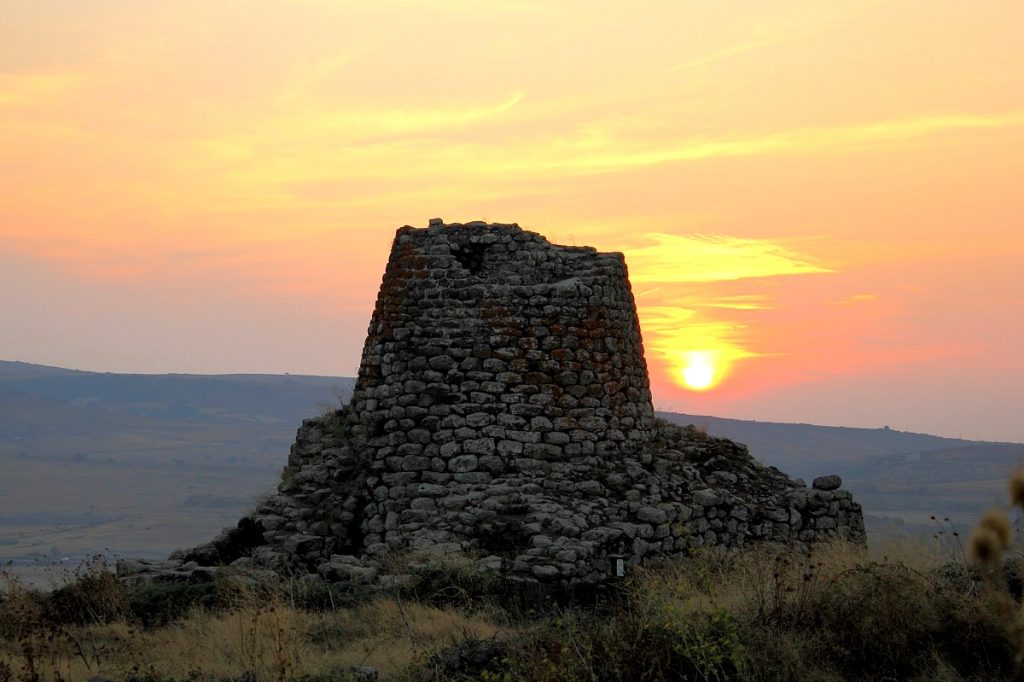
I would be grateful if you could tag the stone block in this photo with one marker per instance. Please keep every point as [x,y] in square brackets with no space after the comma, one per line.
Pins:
[463,463]
[479,446]
[830,482]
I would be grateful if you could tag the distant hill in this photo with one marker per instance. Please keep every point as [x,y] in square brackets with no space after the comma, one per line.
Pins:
[228,398]
[902,479]
[25,370]
[805,445]
[140,464]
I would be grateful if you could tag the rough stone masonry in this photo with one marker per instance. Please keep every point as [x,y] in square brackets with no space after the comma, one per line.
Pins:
[503,410]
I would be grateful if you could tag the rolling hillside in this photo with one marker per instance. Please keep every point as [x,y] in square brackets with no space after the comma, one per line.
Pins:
[141,464]
[797,448]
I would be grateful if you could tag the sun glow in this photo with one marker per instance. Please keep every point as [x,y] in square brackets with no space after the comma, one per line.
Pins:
[675,331]
[699,372]
[696,333]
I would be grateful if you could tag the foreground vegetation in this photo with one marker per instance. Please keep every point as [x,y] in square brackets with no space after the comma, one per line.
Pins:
[841,613]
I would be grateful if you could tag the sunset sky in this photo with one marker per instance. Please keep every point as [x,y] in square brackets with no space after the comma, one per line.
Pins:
[821,204]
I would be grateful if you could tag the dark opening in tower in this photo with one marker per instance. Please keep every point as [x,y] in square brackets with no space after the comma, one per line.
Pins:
[470,256]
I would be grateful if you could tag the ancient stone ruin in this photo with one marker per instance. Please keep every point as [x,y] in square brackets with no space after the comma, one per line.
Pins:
[503,410]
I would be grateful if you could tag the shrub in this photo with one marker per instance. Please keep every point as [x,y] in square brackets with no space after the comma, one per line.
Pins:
[771,615]
[161,603]
[93,595]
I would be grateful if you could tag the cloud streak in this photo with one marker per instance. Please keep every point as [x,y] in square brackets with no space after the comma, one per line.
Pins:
[678,259]
[32,89]
[369,143]
[798,141]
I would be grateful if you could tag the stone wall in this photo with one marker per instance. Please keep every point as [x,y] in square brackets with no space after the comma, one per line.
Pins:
[503,409]
[489,342]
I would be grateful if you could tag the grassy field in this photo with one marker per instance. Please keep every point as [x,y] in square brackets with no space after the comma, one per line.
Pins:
[902,612]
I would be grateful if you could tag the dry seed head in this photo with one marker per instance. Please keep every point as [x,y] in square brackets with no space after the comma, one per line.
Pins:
[1017,488]
[999,524]
[986,549]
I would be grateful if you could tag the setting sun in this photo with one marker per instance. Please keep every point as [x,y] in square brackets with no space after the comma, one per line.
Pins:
[699,372]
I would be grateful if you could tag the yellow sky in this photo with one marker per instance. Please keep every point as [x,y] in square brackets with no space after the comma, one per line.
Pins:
[820,203]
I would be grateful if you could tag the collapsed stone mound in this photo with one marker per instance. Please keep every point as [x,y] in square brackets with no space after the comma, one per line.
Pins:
[503,410]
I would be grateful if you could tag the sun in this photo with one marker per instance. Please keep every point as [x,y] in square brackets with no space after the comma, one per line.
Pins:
[699,372]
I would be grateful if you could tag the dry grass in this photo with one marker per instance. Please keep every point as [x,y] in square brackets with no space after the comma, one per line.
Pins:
[278,642]
[265,638]
[840,613]
[902,612]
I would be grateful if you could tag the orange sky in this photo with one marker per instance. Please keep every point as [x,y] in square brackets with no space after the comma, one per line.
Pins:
[821,203]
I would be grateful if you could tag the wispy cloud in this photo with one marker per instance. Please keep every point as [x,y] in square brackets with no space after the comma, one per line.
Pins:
[352,130]
[788,23]
[734,50]
[473,146]
[712,258]
[405,119]
[854,299]
[621,155]
[25,89]
[442,5]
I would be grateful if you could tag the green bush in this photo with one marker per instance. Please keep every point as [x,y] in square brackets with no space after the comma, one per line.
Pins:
[93,595]
[765,615]
[160,603]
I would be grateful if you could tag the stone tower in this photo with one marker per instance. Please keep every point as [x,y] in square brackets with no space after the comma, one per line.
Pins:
[503,408]
[489,342]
